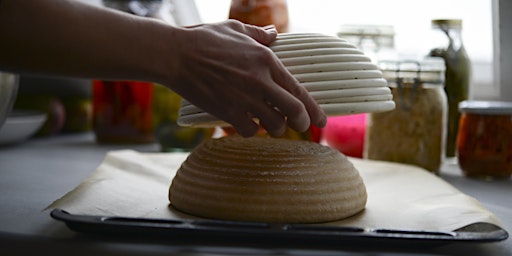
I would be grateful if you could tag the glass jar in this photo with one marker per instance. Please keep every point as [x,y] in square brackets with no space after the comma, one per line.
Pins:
[376,41]
[457,75]
[261,13]
[484,141]
[414,132]
[122,110]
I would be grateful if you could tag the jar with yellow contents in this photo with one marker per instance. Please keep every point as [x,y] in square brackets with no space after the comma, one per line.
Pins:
[414,132]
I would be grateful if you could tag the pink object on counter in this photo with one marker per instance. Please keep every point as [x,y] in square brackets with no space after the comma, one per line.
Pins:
[346,134]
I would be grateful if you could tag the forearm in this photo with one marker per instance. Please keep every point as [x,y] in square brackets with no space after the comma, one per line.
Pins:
[66,37]
[225,68]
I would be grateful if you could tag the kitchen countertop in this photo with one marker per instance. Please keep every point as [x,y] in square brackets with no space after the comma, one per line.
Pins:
[35,173]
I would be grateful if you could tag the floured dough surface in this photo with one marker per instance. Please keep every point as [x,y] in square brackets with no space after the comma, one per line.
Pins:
[267,180]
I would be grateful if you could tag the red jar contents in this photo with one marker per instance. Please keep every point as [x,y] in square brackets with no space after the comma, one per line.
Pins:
[346,134]
[484,141]
[122,111]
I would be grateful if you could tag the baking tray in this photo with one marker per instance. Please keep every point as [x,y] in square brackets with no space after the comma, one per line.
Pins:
[317,234]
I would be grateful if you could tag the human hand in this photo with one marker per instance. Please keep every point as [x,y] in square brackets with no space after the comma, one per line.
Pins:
[227,70]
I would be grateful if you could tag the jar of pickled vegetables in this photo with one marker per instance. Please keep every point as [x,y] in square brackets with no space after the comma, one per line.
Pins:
[484,141]
[414,132]
[261,13]
[122,110]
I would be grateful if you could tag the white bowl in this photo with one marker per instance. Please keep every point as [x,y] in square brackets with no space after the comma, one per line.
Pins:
[20,125]
[8,92]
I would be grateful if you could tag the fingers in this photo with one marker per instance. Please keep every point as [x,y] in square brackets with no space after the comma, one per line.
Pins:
[263,35]
[293,102]
[272,120]
[301,110]
[242,123]
[269,117]
[245,129]
[257,81]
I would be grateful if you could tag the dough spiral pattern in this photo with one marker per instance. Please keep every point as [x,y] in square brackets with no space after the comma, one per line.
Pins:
[267,180]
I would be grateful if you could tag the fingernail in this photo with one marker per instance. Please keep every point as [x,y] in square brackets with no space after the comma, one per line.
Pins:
[269,27]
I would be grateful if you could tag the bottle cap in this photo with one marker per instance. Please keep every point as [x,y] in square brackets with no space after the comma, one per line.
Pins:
[454,23]
[486,107]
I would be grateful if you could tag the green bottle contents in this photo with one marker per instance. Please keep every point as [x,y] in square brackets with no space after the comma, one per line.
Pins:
[457,75]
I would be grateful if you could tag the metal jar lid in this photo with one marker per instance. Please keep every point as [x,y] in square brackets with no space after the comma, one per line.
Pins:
[486,107]
[425,71]
[452,23]
[382,35]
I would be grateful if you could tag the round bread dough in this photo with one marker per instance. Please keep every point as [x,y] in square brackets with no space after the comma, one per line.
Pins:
[267,180]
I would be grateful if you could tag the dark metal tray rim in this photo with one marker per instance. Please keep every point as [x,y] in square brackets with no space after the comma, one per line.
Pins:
[474,233]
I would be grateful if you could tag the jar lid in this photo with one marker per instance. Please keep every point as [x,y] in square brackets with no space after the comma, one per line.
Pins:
[428,70]
[366,30]
[381,35]
[486,107]
[454,23]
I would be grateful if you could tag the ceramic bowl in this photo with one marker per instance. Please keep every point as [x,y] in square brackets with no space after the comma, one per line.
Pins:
[8,92]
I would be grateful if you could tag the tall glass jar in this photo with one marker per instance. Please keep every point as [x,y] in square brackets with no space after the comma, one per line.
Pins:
[414,132]
[457,75]
[261,13]
[377,41]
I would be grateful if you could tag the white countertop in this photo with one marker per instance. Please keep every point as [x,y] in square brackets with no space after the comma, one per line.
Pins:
[35,173]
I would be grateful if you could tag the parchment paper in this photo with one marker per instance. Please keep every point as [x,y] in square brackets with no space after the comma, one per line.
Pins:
[133,184]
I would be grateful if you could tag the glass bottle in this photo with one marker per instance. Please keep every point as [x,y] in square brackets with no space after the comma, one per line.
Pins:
[261,13]
[414,132]
[122,110]
[457,75]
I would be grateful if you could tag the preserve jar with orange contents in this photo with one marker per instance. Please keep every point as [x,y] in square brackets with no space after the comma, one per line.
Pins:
[484,141]
[261,13]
